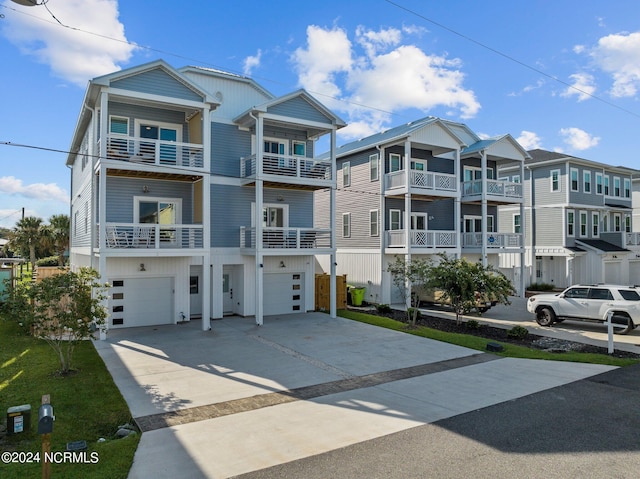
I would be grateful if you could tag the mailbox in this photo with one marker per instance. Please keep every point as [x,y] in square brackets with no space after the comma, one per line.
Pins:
[45,419]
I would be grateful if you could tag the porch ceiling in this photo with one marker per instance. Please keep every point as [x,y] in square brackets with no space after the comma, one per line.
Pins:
[156,175]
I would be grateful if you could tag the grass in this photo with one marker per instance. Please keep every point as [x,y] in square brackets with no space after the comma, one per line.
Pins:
[87,406]
[479,343]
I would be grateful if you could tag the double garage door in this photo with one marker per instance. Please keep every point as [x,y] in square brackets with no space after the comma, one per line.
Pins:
[141,302]
[283,293]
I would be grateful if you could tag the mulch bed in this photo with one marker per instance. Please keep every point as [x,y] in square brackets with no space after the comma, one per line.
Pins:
[499,334]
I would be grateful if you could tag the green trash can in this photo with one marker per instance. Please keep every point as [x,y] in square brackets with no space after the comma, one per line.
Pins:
[357,296]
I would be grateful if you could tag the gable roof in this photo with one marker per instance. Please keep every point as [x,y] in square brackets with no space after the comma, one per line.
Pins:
[492,145]
[539,156]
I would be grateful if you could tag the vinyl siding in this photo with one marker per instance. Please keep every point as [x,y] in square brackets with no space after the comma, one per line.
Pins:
[231,209]
[542,194]
[299,108]
[547,229]
[82,219]
[228,145]
[160,115]
[157,82]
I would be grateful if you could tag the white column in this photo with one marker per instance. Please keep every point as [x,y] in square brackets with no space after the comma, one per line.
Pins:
[216,295]
[206,222]
[332,227]
[523,232]
[458,204]
[258,216]
[483,164]
[407,212]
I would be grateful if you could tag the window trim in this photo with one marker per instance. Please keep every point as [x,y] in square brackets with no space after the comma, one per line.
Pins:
[393,156]
[374,166]
[555,184]
[118,117]
[607,185]
[599,184]
[346,225]
[616,189]
[577,181]
[346,174]
[391,213]
[586,185]
[283,206]
[158,199]
[517,226]
[304,148]
[627,188]
[585,215]
[617,223]
[595,224]
[374,223]
[571,223]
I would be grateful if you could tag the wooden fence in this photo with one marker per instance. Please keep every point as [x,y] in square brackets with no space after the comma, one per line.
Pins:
[323,292]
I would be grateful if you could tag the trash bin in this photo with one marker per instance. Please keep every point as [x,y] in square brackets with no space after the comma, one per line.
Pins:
[19,419]
[357,296]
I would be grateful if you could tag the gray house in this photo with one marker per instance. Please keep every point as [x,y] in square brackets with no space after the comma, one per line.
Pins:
[427,187]
[578,221]
[192,194]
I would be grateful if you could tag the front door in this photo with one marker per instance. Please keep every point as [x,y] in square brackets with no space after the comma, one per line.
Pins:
[227,294]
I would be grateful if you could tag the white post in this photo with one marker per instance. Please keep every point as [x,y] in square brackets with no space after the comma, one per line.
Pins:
[332,225]
[258,225]
[407,213]
[610,332]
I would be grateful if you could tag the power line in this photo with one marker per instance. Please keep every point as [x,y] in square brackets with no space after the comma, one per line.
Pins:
[510,58]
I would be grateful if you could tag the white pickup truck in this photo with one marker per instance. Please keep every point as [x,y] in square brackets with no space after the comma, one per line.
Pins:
[589,303]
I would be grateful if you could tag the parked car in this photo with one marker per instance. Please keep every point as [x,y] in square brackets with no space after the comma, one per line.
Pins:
[589,303]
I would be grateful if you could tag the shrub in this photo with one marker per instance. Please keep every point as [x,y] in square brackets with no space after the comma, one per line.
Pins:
[383,308]
[540,287]
[48,261]
[518,332]
[414,314]
[473,324]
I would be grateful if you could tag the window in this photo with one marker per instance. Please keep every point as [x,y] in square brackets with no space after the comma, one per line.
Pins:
[516,224]
[605,222]
[574,179]
[373,167]
[395,162]
[627,188]
[599,189]
[616,186]
[600,293]
[580,293]
[346,174]
[156,211]
[273,217]
[606,185]
[583,223]
[627,223]
[571,223]
[595,224]
[490,224]
[419,165]
[161,148]
[617,225]
[119,125]
[373,223]
[586,177]
[555,180]
[346,225]
[395,220]
[299,148]
[418,221]
[515,179]
[538,267]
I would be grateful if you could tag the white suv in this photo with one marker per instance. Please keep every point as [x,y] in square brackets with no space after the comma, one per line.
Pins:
[589,303]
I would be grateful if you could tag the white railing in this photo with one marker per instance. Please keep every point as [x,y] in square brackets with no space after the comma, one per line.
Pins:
[154,152]
[632,239]
[494,240]
[422,180]
[423,238]
[287,166]
[286,238]
[505,189]
[146,236]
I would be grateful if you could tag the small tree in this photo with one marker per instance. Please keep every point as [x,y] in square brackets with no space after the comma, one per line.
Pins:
[56,235]
[411,280]
[62,310]
[464,283]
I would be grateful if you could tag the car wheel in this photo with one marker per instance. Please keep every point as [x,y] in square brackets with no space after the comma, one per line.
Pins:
[620,319]
[545,316]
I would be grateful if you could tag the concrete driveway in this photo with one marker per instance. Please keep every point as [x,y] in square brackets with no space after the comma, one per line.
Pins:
[241,398]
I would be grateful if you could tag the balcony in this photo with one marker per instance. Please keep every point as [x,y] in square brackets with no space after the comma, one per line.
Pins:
[289,169]
[423,239]
[632,239]
[421,182]
[154,152]
[501,191]
[152,236]
[494,240]
[288,239]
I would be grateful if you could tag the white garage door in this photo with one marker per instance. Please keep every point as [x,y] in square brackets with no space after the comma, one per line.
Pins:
[612,272]
[141,302]
[634,272]
[283,293]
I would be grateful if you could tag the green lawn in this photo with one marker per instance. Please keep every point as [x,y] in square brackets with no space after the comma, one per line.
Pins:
[475,342]
[87,406]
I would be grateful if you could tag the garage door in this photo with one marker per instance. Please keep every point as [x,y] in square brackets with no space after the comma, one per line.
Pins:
[283,293]
[141,302]
[634,272]
[612,272]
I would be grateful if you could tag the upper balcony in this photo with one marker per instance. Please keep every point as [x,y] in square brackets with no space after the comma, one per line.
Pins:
[495,241]
[278,240]
[303,172]
[497,191]
[423,241]
[420,182]
[145,151]
[632,240]
[151,237]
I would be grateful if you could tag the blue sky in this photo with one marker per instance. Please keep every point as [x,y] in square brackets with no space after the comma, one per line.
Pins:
[377,64]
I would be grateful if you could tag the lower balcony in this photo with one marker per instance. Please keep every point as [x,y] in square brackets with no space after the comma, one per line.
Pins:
[421,182]
[632,239]
[502,191]
[423,239]
[295,170]
[152,236]
[289,240]
[494,240]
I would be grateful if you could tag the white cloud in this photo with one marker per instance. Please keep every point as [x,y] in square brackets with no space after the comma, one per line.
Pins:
[583,86]
[251,62]
[377,75]
[578,139]
[529,140]
[619,55]
[39,191]
[73,55]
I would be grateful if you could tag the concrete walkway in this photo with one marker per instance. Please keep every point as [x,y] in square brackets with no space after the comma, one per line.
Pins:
[240,398]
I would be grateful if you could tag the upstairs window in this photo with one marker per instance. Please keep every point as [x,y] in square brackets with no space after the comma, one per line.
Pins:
[395,162]
[299,148]
[599,188]
[595,224]
[516,224]
[119,125]
[571,223]
[346,174]
[555,180]
[346,225]
[583,223]
[373,167]
[616,186]
[606,185]
[374,229]
[574,179]
[627,188]
[586,177]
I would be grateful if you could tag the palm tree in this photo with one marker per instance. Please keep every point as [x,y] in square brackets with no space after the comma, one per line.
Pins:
[27,234]
[56,234]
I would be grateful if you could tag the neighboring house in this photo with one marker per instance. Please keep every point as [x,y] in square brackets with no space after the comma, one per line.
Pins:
[423,188]
[192,195]
[578,222]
